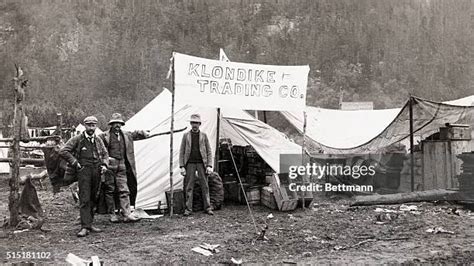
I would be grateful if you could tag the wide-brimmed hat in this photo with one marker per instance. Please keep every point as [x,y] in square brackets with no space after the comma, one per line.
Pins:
[90,120]
[195,118]
[116,118]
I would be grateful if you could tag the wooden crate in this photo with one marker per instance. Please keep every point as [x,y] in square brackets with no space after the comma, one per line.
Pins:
[267,199]
[253,195]
[284,202]
[178,200]
[461,132]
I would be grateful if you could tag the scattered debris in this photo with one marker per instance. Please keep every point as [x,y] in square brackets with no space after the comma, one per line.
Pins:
[385,210]
[384,218]
[262,236]
[270,216]
[206,249]
[212,248]
[21,231]
[408,208]
[455,211]
[202,251]
[307,254]
[236,261]
[355,245]
[76,261]
[439,230]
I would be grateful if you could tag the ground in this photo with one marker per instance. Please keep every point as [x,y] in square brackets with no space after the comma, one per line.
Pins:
[328,232]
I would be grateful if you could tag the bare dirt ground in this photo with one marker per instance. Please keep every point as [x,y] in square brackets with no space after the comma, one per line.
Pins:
[329,232]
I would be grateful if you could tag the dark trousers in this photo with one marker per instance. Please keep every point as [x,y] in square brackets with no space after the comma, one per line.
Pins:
[191,169]
[89,180]
[117,182]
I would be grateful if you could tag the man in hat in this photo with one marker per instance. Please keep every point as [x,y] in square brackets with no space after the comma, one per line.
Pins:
[88,155]
[195,155]
[123,180]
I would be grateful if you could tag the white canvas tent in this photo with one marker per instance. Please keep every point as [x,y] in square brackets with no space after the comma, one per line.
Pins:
[152,155]
[339,131]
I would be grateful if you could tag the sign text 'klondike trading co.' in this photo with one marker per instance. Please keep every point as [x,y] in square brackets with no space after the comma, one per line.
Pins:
[213,83]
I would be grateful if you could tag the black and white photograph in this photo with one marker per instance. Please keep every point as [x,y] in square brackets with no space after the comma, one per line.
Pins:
[236,132]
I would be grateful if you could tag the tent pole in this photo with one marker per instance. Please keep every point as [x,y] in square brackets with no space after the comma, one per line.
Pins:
[302,156]
[216,158]
[171,138]
[412,157]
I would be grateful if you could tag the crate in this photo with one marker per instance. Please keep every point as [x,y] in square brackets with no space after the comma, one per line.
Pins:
[283,200]
[178,200]
[267,199]
[455,132]
[253,195]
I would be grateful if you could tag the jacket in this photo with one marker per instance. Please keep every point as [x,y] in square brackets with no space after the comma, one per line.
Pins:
[204,148]
[129,137]
[70,150]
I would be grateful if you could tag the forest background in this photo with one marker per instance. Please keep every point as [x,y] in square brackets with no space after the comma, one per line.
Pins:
[97,57]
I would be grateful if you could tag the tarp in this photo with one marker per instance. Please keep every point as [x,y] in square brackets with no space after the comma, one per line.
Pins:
[152,155]
[337,131]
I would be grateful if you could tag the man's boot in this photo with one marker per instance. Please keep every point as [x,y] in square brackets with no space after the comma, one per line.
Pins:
[114,218]
[83,232]
[95,229]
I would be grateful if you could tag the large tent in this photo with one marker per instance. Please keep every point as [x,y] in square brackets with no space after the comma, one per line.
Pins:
[152,155]
[365,131]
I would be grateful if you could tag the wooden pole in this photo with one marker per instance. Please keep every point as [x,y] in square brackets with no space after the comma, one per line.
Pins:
[14,197]
[265,117]
[412,156]
[216,158]
[171,138]
[302,156]
[59,126]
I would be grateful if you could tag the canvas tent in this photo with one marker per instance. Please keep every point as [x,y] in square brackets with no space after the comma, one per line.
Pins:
[365,131]
[152,155]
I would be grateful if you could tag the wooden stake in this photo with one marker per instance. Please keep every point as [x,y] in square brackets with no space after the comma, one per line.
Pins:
[14,197]
[171,138]
[302,156]
[412,155]
[216,158]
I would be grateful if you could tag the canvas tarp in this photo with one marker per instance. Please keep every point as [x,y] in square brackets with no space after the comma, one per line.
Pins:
[333,131]
[152,155]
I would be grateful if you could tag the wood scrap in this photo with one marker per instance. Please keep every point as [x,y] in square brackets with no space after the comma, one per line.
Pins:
[399,198]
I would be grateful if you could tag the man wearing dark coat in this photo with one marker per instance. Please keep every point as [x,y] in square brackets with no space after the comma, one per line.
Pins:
[87,154]
[123,181]
[195,155]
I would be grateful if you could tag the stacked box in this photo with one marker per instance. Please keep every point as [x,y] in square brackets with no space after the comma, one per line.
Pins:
[466,178]
[257,168]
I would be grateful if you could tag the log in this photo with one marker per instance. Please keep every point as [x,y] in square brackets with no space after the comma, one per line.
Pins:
[399,198]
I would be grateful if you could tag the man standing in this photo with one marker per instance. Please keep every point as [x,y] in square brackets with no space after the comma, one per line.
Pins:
[87,154]
[119,145]
[195,154]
